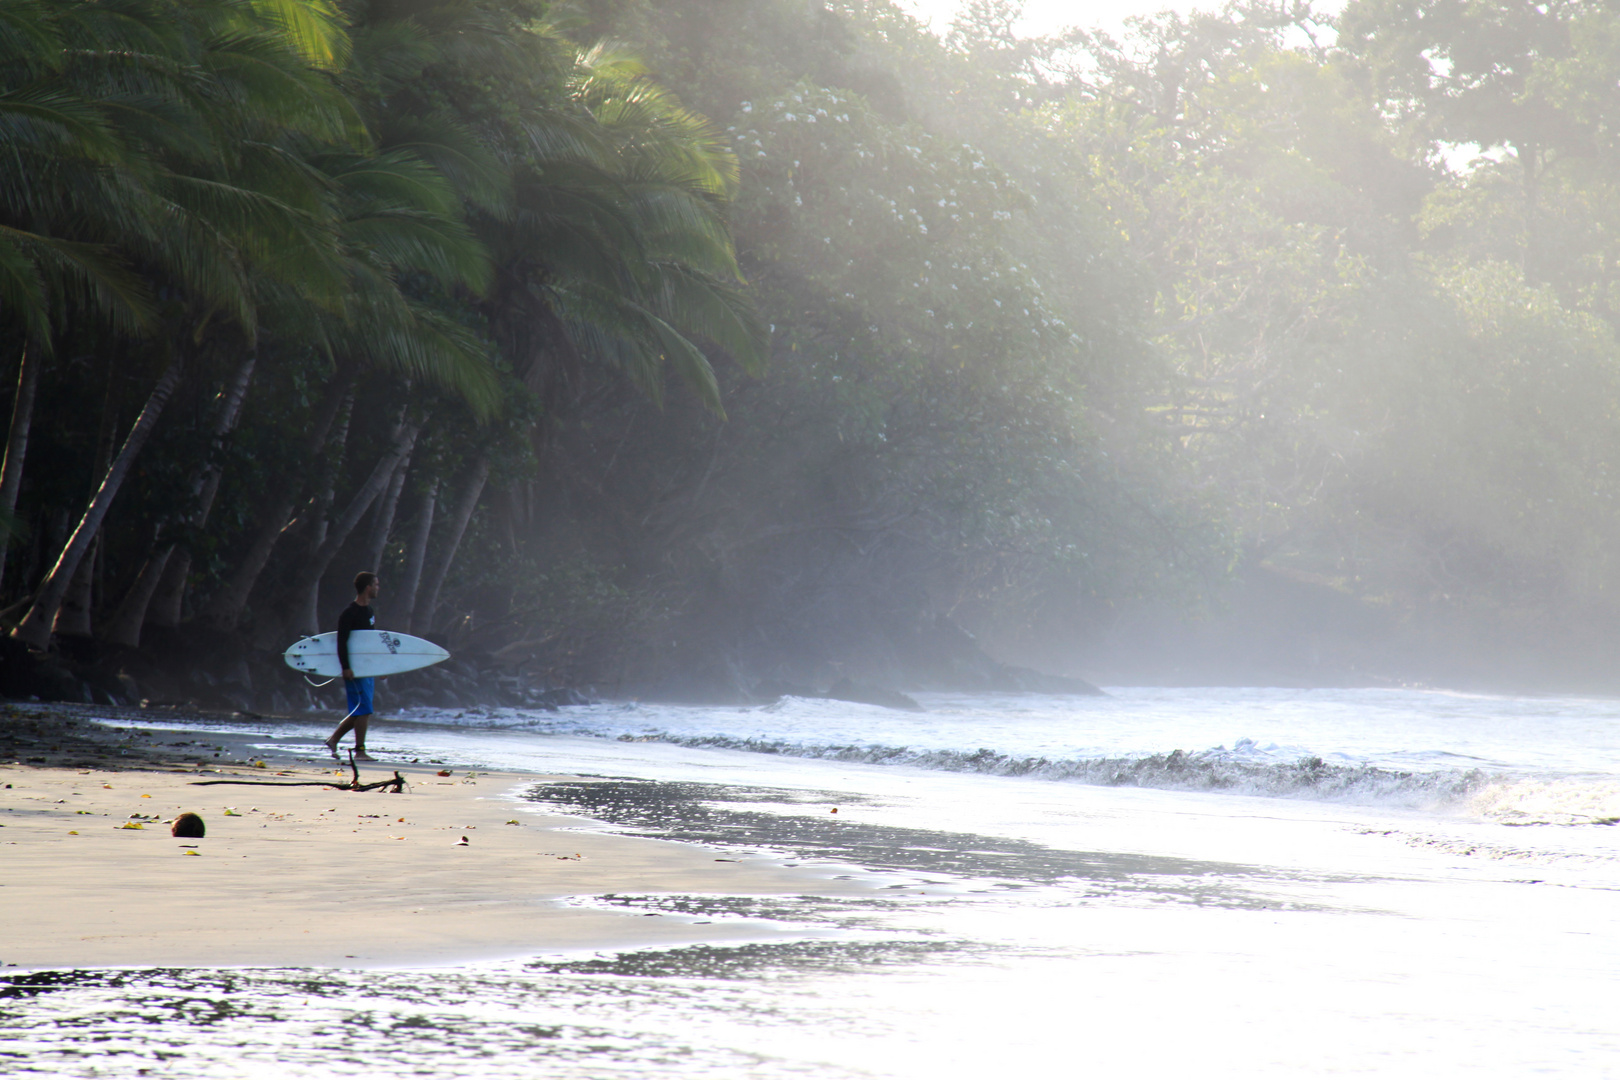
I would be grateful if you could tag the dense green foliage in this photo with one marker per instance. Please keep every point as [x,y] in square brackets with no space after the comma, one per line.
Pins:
[713,340]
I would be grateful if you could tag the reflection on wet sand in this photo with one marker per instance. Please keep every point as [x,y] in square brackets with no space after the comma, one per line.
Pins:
[717,815]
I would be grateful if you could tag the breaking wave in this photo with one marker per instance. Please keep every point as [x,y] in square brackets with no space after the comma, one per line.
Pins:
[1220,770]
[1559,800]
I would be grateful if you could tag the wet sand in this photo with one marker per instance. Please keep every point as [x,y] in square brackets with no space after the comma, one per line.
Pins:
[311,876]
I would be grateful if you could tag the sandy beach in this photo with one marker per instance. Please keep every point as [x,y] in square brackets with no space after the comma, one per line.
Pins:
[454,868]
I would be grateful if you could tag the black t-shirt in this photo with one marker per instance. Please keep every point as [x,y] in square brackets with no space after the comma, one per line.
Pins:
[354,617]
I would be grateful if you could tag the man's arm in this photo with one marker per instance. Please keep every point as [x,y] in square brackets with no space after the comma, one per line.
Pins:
[343,630]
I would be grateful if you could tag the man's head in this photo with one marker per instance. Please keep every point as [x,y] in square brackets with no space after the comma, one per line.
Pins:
[365,583]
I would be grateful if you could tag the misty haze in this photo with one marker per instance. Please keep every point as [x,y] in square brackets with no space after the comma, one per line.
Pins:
[957,540]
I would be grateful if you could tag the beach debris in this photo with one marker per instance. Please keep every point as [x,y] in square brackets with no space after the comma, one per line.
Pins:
[260,765]
[461,843]
[230,811]
[73,832]
[444,772]
[188,824]
[835,809]
[146,796]
[132,825]
[514,821]
[191,853]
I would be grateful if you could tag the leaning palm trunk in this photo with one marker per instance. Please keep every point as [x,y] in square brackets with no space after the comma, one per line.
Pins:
[159,591]
[415,554]
[22,417]
[225,610]
[314,521]
[35,628]
[382,523]
[73,616]
[125,627]
[466,502]
[336,533]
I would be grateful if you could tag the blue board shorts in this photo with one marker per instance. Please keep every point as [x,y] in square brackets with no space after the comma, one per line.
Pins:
[359,691]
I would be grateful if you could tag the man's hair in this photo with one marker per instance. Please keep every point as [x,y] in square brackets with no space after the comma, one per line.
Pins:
[362,581]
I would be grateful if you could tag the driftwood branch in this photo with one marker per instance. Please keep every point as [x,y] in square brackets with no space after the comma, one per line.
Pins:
[396,785]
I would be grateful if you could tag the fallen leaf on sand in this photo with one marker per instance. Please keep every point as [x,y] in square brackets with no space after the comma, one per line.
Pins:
[514,821]
[442,772]
[132,825]
[73,832]
[191,853]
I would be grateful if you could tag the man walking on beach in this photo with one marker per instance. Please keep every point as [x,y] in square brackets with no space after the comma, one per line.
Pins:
[357,616]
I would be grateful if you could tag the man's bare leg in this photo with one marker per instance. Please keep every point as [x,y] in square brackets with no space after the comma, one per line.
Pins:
[359,725]
[342,730]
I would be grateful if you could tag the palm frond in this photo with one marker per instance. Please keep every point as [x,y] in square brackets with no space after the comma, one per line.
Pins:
[439,247]
[398,177]
[712,309]
[65,267]
[29,36]
[315,27]
[471,168]
[22,290]
[415,340]
[55,119]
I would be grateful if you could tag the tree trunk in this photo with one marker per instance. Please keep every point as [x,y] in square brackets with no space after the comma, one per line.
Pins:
[415,553]
[169,601]
[335,535]
[303,613]
[22,418]
[466,502]
[35,628]
[224,611]
[125,626]
[73,617]
[382,522]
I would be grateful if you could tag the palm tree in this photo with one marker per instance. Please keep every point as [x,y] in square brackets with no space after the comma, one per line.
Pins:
[62,172]
[398,219]
[211,199]
[606,223]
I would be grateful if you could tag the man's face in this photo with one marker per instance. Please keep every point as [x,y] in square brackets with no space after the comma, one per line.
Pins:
[373,589]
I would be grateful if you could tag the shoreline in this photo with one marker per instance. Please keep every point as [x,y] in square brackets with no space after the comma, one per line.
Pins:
[323,877]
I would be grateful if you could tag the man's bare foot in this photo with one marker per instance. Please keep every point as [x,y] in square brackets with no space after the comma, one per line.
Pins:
[361,755]
[331,747]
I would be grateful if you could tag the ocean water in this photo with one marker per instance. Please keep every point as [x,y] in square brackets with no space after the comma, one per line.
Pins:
[1223,882]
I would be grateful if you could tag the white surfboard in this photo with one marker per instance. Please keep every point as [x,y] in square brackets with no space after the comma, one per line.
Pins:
[371,653]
